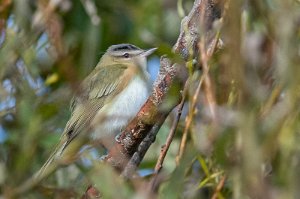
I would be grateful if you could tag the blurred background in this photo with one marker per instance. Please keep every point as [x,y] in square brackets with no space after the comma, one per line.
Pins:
[243,141]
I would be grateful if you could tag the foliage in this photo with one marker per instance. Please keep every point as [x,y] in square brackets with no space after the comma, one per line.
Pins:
[244,135]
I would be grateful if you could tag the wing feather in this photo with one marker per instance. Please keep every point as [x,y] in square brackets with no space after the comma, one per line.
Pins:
[94,90]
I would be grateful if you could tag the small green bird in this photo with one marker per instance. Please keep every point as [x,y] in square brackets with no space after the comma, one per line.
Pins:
[107,99]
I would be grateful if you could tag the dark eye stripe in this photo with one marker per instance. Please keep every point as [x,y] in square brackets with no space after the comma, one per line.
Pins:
[124,55]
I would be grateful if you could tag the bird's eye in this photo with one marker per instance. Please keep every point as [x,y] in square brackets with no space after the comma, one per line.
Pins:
[126,55]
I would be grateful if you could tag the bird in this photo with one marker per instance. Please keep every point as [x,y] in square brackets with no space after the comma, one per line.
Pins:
[105,102]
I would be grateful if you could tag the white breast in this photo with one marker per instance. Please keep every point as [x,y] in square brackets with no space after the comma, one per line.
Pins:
[116,115]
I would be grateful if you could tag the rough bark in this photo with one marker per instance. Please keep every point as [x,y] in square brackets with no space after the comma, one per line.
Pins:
[134,141]
[151,116]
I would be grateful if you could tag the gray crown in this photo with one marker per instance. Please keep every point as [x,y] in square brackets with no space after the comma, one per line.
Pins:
[123,47]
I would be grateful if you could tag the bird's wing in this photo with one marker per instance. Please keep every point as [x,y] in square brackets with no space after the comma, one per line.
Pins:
[94,90]
[102,83]
[99,84]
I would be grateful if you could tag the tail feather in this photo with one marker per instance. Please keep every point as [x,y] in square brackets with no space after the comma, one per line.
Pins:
[49,167]
[65,152]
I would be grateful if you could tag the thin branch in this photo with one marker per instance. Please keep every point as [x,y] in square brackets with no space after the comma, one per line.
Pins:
[219,187]
[204,76]
[131,147]
[169,140]
[166,146]
[208,89]
[91,192]
[138,156]
[151,112]
[147,118]
[188,121]
[7,111]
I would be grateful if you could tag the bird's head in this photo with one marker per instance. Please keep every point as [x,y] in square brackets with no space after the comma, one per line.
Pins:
[127,54]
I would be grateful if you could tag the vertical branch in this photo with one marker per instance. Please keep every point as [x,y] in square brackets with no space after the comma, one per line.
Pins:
[169,140]
[135,140]
[205,76]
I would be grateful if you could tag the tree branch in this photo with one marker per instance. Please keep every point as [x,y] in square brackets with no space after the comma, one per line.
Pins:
[151,115]
[134,141]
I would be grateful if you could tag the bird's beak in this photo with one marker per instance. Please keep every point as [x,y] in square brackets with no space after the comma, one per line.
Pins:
[149,51]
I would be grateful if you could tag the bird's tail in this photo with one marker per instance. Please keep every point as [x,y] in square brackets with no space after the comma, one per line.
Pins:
[49,167]
[65,152]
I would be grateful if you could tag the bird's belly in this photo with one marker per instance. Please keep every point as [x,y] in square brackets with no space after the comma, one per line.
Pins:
[115,115]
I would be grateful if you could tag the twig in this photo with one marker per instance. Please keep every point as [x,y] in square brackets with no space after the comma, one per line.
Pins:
[7,111]
[219,187]
[188,121]
[190,116]
[166,146]
[208,90]
[150,114]
[169,140]
[140,153]
[90,193]
[148,117]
